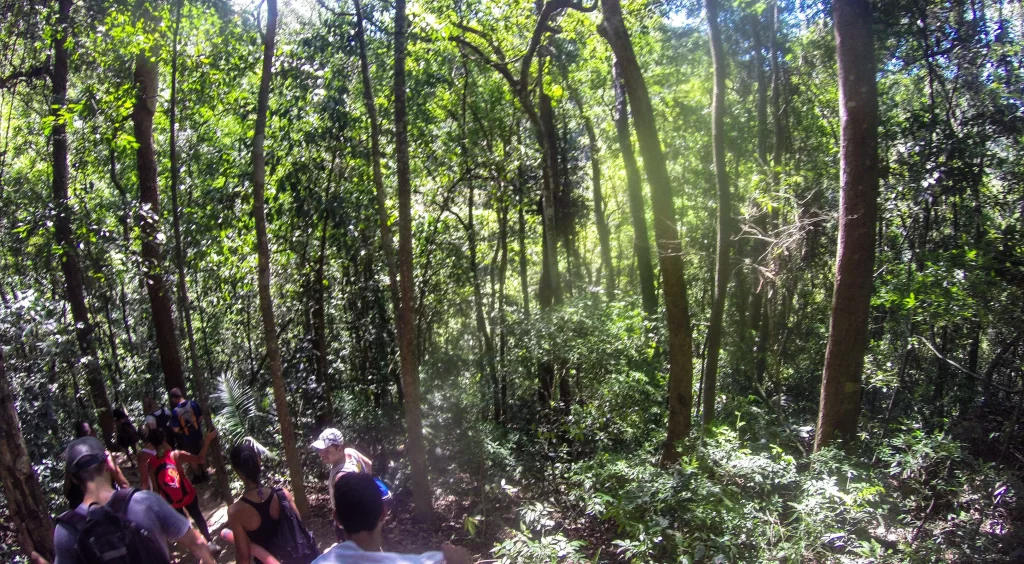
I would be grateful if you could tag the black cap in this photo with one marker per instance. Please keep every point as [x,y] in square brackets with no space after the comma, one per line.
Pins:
[83,453]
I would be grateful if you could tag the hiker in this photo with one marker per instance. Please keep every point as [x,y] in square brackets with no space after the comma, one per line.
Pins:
[127,435]
[168,479]
[185,422]
[263,522]
[146,454]
[330,445]
[157,416]
[138,524]
[72,490]
[360,511]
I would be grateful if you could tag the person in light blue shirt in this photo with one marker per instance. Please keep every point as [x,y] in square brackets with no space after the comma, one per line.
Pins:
[360,511]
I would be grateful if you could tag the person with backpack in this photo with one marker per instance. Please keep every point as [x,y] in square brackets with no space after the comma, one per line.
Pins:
[185,422]
[117,527]
[72,490]
[263,522]
[360,511]
[330,445]
[157,416]
[127,435]
[169,480]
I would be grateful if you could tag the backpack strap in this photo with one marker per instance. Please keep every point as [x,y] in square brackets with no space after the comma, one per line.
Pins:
[118,502]
[73,520]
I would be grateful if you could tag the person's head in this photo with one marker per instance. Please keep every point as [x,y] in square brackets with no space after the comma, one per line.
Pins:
[175,396]
[149,404]
[357,502]
[84,429]
[119,414]
[156,437]
[245,459]
[86,461]
[330,445]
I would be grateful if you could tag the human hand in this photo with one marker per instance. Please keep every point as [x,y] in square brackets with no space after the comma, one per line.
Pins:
[211,435]
[456,554]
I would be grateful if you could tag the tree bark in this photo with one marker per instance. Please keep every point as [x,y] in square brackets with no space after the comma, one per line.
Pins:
[489,356]
[680,339]
[600,220]
[263,277]
[524,280]
[384,217]
[724,243]
[74,284]
[318,313]
[634,192]
[25,498]
[858,111]
[146,76]
[406,326]
[198,374]
[550,291]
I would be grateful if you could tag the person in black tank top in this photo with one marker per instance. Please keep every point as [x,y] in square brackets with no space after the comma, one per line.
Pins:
[253,519]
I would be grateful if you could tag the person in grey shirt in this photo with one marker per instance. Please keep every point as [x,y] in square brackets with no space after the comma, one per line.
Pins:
[88,464]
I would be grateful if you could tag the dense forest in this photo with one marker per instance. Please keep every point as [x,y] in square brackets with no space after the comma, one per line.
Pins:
[587,280]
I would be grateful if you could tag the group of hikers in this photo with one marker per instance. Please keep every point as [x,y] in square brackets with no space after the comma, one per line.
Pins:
[109,521]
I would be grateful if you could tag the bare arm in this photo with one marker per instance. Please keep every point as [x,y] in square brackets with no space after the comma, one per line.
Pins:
[119,478]
[196,544]
[243,554]
[363,461]
[144,470]
[206,446]
[182,457]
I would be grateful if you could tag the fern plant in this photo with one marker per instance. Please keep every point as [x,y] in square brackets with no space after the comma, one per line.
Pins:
[239,416]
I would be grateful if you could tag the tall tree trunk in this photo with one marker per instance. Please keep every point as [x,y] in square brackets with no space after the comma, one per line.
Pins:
[550,291]
[724,244]
[25,498]
[318,313]
[489,360]
[600,221]
[680,338]
[74,284]
[284,415]
[406,326]
[502,273]
[384,217]
[524,280]
[146,75]
[634,192]
[198,374]
[855,257]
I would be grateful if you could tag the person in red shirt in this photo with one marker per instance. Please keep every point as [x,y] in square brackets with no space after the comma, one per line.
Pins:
[169,480]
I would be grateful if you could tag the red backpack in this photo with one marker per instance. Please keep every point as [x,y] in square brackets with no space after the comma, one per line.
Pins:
[171,483]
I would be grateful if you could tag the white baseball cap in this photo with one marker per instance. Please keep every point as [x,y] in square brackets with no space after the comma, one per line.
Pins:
[329,437]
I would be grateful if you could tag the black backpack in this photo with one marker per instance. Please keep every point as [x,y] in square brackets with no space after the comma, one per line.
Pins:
[105,535]
[293,544]
[163,419]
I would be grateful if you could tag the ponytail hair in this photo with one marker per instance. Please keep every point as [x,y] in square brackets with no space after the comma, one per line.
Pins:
[246,460]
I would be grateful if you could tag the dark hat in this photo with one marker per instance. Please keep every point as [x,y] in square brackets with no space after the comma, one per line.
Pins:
[83,453]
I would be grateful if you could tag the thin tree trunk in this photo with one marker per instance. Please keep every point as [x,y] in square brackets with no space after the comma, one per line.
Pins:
[502,336]
[489,361]
[680,338]
[74,284]
[634,192]
[851,301]
[146,75]
[198,375]
[25,498]
[384,217]
[600,221]
[284,415]
[524,280]
[550,291]
[724,244]
[406,326]
[318,313]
